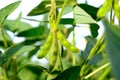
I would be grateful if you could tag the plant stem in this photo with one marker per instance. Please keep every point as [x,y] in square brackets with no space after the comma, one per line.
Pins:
[105,73]
[97,70]
[3,36]
[73,55]
[92,53]
[60,14]
[111,19]
[35,20]
[96,47]
[60,60]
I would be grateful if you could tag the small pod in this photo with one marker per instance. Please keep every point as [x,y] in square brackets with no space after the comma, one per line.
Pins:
[45,48]
[65,43]
[116,8]
[104,9]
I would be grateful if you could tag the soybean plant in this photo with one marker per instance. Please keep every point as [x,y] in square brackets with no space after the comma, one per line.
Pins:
[104,9]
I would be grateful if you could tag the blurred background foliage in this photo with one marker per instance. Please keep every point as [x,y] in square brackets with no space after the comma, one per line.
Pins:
[18,61]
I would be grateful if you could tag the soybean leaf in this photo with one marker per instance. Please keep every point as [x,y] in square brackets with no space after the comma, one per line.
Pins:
[32,71]
[6,36]
[69,30]
[20,26]
[91,10]
[1,54]
[82,17]
[71,73]
[66,21]
[25,48]
[30,41]
[94,30]
[41,8]
[34,32]
[6,11]
[33,52]
[67,9]
[90,43]
[96,58]
[34,68]
[18,49]
[16,25]
[10,66]
[113,47]
[9,53]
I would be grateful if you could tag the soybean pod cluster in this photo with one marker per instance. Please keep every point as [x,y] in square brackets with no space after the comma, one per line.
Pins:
[109,4]
[56,36]
[60,36]
[105,8]
[65,43]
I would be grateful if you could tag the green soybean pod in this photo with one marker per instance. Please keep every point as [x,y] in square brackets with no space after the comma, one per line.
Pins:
[45,48]
[116,8]
[104,9]
[65,43]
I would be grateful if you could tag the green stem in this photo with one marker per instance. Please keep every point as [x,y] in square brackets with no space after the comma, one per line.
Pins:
[111,14]
[92,53]
[3,36]
[73,55]
[111,19]
[35,20]
[96,47]
[97,70]
[105,73]
[60,60]
[73,59]
[60,14]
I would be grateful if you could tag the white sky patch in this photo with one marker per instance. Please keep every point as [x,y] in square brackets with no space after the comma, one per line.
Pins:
[96,3]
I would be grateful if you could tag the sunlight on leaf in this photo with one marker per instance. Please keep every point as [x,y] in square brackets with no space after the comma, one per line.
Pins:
[81,17]
[6,11]
[91,10]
